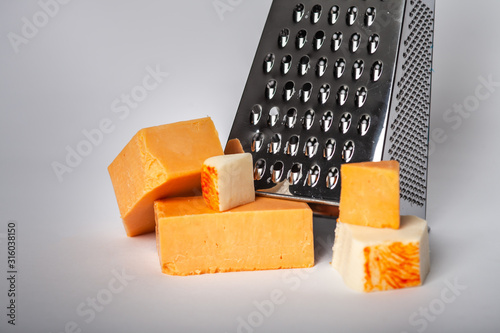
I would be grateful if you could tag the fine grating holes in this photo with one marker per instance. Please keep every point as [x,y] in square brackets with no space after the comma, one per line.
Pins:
[373,43]
[292,145]
[283,37]
[370,15]
[337,38]
[259,169]
[364,124]
[352,14]
[308,120]
[326,121]
[334,14]
[321,66]
[342,95]
[376,71]
[304,65]
[319,39]
[290,118]
[288,90]
[357,69]
[410,127]
[274,115]
[255,114]
[329,149]
[286,64]
[306,91]
[271,88]
[324,93]
[361,96]
[311,147]
[345,123]
[339,68]
[275,144]
[313,176]
[269,62]
[316,14]
[277,170]
[348,151]
[295,173]
[332,178]
[298,12]
[355,42]
[301,39]
[257,142]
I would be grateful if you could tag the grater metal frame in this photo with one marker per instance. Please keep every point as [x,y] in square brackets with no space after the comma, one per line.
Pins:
[385,115]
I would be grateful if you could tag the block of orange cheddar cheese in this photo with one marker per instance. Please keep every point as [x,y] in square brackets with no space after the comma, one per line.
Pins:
[369,194]
[227,181]
[158,162]
[376,259]
[265,234]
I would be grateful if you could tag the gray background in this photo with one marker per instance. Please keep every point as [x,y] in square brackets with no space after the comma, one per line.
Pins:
[71,244]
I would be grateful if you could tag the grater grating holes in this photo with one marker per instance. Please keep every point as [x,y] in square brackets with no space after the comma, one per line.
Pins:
[318,67]
[313,175]
[295,173]
[410,137]
[322,64]
[329,149]
[277,170]
[298,12]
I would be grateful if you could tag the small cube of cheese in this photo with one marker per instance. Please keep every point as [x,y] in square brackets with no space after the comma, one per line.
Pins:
[373,259]
[370,194]
[227,181]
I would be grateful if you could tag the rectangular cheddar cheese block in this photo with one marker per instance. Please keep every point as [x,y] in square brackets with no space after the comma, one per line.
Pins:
[374,259]
[227,181]
[265,234]
[158,162]
[369,194]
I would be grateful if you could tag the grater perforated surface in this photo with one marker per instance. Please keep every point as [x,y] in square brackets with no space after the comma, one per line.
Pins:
[319,94]
[409,122]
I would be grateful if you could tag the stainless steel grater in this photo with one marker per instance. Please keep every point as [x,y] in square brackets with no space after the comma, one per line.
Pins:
[335,82]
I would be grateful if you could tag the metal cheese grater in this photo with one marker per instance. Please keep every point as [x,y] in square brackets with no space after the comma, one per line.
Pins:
[335,82]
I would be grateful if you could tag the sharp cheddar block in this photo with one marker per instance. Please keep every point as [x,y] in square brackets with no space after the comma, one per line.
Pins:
[265,234]
[227,181]
[158,162]
[370,194]
[371,259]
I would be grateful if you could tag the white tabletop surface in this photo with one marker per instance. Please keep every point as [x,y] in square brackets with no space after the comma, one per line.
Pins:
[76,271]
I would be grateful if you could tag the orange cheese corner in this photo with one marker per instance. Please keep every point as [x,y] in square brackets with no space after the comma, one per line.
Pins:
[233,146]
[265,234]
[370,194]
[158,162]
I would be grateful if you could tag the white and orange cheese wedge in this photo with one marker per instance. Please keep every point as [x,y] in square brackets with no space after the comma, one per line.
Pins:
[374,259]
[227,181]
